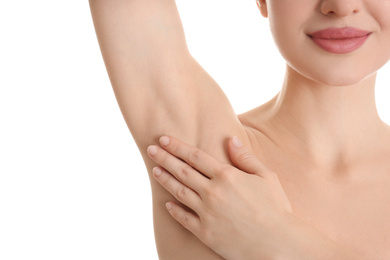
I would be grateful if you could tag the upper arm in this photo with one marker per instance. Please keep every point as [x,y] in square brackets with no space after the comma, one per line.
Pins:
[144,50]
[161,89]
[159,86]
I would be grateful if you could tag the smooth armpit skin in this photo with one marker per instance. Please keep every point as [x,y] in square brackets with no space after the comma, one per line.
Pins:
[162,90]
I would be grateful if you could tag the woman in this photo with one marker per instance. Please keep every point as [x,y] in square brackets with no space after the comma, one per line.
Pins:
[321,188]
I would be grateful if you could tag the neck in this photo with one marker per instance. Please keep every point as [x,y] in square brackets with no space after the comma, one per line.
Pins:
[330,125]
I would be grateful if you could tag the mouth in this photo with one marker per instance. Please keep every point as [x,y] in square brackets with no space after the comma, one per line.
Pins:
[340,40]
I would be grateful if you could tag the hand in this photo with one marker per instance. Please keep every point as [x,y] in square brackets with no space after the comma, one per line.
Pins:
[238,215]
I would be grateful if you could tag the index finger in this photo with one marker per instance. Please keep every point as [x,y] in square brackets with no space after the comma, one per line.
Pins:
[193,156]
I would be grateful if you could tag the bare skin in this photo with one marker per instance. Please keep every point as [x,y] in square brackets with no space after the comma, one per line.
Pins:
[340,186]
[327,144]
[229,202]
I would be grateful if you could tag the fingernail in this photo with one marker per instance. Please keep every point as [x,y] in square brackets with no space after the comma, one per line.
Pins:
[169,206]
[157,171]
[236,142]
[152,150]
[164,140]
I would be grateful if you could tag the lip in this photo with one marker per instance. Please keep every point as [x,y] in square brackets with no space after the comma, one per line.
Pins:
[340,40]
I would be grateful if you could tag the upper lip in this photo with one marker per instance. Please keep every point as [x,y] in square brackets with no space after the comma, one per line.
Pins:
[339,33]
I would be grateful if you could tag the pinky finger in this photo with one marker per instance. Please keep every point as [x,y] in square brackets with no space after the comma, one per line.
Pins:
[187,219]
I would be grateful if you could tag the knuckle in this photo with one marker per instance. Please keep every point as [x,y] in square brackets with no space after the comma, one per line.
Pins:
[223,170]
[185,221]
[181,192]
[227,174]
[227,179]
[194,156]
[244,156]
[214,194]
[175,214]
[207,191]
[183,172]
[163,180]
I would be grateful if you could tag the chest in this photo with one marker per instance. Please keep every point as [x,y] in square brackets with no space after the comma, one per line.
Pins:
[350,205]
[354,214]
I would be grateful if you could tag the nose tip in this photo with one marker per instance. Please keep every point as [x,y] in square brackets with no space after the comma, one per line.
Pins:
[340,8]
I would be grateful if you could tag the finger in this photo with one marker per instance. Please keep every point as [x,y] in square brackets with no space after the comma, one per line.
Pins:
[185,218]
[181,192]
[243,159]
[198,159]
[179,169]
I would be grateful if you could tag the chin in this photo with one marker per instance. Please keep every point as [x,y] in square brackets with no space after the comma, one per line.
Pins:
[341,81]
[336,77]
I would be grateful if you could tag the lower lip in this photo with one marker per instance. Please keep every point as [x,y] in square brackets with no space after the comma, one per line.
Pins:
[340,46]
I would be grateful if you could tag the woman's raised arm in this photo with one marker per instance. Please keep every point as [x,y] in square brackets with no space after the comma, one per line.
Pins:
[159,86]
[161,89]
[144,50]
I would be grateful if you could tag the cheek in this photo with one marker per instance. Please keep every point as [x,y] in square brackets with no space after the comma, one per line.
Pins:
[380,11]
[287,19]
[289,39]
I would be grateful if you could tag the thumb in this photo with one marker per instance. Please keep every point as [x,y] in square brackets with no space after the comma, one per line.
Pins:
[244,159]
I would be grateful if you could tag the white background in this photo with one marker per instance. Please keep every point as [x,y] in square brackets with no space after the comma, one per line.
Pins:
[72,183]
